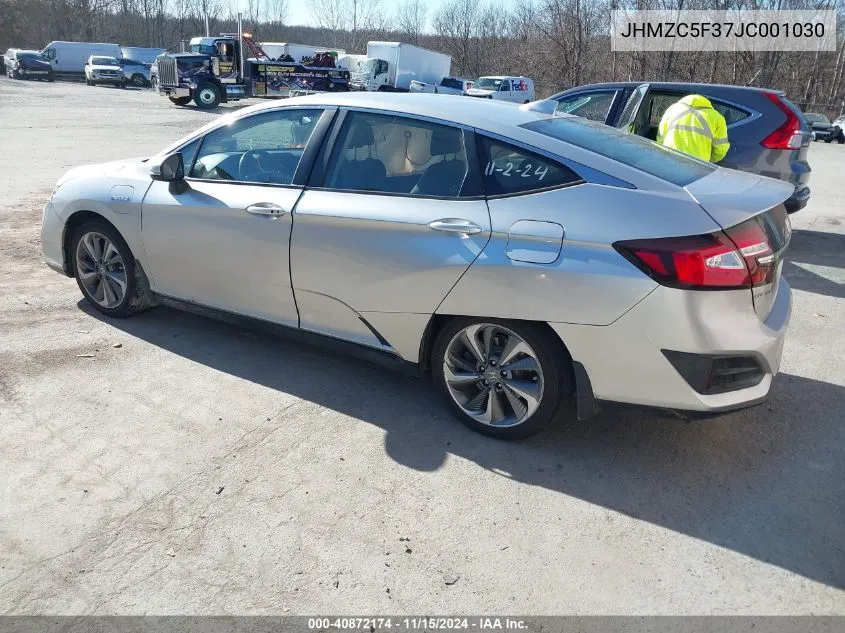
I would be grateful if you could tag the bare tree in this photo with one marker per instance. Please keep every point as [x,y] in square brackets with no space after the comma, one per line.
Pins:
[411,20]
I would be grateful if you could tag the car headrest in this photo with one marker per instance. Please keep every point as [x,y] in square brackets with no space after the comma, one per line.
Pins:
[361,136]
[445,141]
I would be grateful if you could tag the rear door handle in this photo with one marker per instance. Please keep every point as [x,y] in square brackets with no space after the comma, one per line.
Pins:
[455,225]
[266,208]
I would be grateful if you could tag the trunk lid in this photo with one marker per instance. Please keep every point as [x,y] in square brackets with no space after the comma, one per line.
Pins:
[744,204]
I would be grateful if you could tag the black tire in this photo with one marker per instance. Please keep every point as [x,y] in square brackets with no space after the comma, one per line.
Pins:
[122,85]
[180,101]
[138,80]
[51,78]
[207,96]
[551,355]
[137,296]
[828,139]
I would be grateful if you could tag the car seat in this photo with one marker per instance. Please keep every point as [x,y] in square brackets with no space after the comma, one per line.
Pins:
[445,177]
[368,174]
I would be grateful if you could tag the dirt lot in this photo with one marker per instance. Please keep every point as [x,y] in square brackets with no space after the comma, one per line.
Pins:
[193,467]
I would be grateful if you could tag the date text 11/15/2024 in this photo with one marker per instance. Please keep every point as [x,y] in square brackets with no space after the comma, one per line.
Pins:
[421,623]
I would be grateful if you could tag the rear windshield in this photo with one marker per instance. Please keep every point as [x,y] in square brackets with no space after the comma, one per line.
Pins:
[629,149]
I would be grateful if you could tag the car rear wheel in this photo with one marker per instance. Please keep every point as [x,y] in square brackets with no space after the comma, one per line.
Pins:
[138,80]
[105,270]
[501,378]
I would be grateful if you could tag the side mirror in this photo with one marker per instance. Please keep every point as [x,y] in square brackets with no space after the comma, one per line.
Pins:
[171,169]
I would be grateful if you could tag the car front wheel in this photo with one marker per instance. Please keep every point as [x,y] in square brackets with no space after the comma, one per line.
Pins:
[501,378]
[104,268]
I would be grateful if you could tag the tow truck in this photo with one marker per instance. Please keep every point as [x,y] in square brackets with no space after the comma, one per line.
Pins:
[232,66]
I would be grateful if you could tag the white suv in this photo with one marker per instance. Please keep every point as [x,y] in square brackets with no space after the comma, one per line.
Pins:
[100,69]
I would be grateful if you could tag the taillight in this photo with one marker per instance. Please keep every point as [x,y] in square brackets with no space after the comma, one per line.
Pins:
[788,135]
[740,257]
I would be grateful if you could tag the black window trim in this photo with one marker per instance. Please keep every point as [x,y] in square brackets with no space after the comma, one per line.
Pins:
[306,161]
[472,183]
[480,134]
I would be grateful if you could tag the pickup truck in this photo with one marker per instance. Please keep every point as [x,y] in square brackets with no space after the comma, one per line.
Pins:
[447,86]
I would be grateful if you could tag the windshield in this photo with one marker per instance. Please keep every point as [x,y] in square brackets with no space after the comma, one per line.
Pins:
[104,61]
[816,118]
[487,83]
[368,67]
[629,149]
[203,49]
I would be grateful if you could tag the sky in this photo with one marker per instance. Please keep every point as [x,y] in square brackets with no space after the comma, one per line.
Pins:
[300,14]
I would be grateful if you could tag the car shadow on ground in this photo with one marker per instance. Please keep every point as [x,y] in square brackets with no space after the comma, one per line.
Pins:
[812,259]
[766,483]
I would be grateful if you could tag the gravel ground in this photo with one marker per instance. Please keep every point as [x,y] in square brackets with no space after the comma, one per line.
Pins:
[192,467]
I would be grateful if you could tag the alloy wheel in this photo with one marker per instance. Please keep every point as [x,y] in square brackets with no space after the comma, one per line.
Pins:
[207,96]
[101,270]
[493,375]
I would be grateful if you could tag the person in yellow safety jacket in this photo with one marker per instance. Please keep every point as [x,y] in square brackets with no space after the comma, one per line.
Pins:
[692,126]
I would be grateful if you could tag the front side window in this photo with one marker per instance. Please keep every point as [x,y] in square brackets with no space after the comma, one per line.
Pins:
[399,155]
[509,170]
[263,148]
[592,105]
[50,53]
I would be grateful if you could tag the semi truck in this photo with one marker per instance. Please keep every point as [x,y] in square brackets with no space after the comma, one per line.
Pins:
[392,66]
[232,67]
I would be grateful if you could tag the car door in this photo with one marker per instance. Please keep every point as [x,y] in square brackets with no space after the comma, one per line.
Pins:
[630,116]
[224,240]
[392,218]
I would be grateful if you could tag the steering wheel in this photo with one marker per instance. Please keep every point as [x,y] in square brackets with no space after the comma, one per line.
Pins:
[253,164]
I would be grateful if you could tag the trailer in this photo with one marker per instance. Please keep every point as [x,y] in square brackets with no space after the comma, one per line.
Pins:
[392,66]
[286,51]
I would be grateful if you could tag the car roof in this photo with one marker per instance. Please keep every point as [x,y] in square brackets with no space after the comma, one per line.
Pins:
[487,114]
[676,85]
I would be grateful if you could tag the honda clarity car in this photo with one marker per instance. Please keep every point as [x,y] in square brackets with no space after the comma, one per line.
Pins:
[536,265]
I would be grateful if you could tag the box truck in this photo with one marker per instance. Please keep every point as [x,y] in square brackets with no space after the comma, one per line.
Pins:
[392,66]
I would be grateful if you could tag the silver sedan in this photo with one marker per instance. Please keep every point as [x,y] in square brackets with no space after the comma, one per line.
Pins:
[537,266]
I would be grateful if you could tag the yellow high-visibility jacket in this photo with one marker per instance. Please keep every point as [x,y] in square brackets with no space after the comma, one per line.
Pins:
[692,126]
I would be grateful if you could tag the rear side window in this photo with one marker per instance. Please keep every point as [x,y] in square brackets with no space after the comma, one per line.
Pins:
[510,170]
[629,149]
[732,114]
[399,155]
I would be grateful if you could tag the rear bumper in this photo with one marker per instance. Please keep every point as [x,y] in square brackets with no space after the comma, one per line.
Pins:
[797,200]
[624,363]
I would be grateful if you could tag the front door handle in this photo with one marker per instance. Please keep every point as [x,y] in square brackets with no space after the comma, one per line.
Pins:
[455,225]
[266,208]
